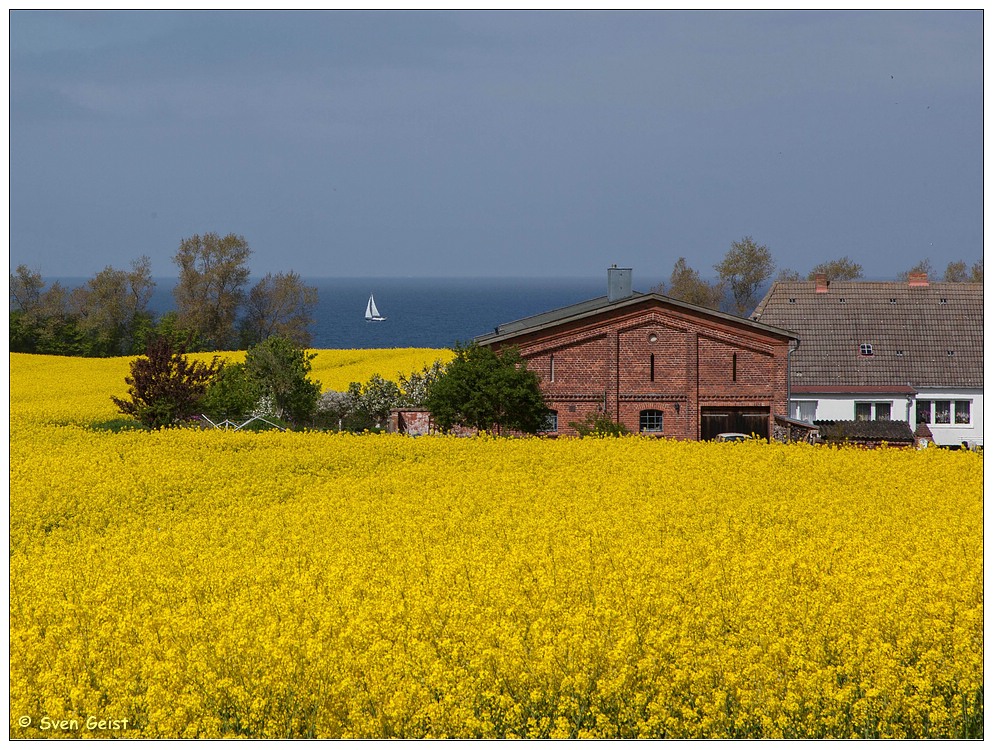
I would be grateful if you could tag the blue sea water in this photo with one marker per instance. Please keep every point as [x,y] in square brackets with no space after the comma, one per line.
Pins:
[420,312]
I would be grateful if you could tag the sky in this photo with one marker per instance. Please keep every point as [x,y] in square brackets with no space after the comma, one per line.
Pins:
[500,144]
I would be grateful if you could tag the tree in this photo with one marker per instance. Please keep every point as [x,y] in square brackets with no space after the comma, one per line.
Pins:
[744,269]
[279,305]
[685,284]
[976,273]
[487,390]
[25,290]
[788,274]
[923,266]
[112,308]
[281,370]
[957,271]
[165,388]
[843,269]
[370,404]
[232,394]
[212,277]
[415,387]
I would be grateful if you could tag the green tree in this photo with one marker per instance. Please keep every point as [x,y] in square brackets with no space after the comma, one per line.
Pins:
[843,269]
[281,370]
[976,273]
[112,308]
[279,305]
[213,272]
[745,268]
[685,284]
[415,386]
[370,403]
[164,387]
[487,390]
[232,394]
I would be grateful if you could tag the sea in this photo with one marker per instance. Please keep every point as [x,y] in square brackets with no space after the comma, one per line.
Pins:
[432,313]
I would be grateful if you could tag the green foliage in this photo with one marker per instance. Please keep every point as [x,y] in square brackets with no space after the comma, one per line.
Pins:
[281,370]
[487,390]
[599,424]
[370,404]
[232,394]
[165,388]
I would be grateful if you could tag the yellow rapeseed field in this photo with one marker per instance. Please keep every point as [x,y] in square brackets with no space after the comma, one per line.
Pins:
[186,583]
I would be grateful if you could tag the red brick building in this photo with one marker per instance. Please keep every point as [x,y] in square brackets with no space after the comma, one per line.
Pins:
[654,364]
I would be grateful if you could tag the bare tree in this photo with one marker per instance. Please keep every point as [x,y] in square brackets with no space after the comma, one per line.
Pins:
[922,267]
[213,272]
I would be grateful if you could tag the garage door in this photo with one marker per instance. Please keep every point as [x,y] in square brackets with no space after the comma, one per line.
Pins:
[751,420]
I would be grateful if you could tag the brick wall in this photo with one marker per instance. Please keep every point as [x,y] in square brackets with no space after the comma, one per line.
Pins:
[658,356]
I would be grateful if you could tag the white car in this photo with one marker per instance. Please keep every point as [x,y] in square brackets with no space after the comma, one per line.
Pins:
[732,437]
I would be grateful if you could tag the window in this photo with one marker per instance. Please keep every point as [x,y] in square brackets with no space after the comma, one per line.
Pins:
[883,411]
[551,423]
[805,411]
[551,368]
[942,412]
[650,421]
[899,352]
[651,368]
[734,368]
[963,412]
[866,349]
[863,412]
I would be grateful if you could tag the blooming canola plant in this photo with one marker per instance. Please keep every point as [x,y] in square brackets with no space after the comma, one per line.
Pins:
[196,583]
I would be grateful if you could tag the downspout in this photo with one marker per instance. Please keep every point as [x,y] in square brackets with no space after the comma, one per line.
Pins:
[789,376]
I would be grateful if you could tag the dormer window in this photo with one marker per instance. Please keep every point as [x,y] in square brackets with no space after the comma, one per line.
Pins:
[865,350]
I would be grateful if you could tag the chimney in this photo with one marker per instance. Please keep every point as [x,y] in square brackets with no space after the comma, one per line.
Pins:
[820,283]
[917,278]
[618,283]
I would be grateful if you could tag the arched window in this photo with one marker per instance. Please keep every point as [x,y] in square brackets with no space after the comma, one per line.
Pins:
[650,421]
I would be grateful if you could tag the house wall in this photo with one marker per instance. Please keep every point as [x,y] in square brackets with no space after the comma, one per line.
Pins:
[837,406]
[605,364]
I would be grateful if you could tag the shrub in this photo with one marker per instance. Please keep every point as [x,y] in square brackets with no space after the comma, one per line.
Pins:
[281,370]
[599,424]
[165,387]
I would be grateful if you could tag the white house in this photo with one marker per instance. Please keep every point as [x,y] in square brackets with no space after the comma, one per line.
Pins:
[909,351]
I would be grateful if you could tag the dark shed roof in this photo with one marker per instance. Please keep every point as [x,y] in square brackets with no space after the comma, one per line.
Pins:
[930,335]
[865,431]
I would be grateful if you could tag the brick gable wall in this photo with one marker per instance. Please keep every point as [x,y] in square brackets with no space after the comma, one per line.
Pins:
[605,363]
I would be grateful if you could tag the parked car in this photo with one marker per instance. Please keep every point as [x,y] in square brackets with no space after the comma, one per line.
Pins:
[732,437]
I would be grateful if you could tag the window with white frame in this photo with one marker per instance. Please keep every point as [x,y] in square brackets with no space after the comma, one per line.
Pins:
[551,422]
[942,412]
[868,411]
[805,411]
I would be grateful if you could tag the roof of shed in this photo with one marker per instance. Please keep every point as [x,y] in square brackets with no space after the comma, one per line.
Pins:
[920,335]
[599,305]
[850,429]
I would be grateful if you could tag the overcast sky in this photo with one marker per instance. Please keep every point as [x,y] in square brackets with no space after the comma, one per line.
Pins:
[496,144]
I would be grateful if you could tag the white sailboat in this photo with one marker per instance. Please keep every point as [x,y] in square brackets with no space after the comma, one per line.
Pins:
[372,312]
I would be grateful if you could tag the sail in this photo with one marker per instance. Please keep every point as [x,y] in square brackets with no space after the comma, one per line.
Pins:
[371,311]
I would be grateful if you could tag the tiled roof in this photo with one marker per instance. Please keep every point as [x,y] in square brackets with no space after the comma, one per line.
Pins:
[919,335]
[599,305]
